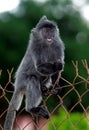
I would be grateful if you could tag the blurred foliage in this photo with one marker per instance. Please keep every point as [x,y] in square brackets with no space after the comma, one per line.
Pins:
[15,28]
[64,121]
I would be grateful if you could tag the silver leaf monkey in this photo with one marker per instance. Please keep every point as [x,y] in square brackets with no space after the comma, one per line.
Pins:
[44,57]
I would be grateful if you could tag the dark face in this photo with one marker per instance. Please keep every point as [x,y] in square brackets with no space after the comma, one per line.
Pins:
[48,34]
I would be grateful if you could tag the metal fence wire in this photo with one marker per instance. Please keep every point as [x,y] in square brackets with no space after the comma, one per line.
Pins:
[62,116]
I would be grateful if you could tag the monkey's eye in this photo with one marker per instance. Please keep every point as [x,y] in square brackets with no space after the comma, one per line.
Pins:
[52,30]
[46,30]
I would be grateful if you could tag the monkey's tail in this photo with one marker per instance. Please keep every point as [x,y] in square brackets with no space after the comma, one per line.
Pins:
[10,120]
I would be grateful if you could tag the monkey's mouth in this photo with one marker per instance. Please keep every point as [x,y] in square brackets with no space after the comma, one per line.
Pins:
[49,39]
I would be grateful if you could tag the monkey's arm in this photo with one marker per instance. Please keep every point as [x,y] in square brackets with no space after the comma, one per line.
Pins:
[13,107]
[55,81]
[49,68]
[58,67]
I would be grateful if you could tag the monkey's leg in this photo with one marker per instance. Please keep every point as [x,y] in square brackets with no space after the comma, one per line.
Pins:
[13,107]
[34,98]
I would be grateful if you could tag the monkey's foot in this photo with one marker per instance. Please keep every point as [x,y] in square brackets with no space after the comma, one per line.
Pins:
[40,111]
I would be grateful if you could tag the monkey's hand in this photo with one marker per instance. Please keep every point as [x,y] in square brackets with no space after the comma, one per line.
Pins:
[45,91]
[57,66]
[56,90]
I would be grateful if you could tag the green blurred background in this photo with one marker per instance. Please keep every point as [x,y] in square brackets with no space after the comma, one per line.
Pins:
[15,27]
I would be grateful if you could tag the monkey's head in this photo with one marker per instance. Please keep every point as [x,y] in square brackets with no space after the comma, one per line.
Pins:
[46,34]
[46,30]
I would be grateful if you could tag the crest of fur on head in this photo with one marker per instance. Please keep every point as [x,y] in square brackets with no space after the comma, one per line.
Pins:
[44,22]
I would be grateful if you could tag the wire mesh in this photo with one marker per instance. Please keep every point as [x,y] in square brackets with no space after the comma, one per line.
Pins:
[24,121]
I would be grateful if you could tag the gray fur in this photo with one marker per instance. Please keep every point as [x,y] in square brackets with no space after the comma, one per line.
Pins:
[27,78]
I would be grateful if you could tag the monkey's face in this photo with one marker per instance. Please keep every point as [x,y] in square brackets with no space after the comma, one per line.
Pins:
[48,34]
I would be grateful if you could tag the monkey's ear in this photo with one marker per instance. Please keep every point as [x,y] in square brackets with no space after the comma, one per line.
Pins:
[34,31]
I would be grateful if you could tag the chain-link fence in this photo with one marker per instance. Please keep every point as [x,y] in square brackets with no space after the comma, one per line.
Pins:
[63,114]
